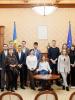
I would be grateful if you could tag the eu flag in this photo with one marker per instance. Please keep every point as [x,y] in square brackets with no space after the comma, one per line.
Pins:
[14,33]
[69,38]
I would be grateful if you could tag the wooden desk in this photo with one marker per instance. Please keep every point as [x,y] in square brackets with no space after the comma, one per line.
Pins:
[48,78]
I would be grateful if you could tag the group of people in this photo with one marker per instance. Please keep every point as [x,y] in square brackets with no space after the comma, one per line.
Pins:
[63,63]
[25,63]
[17,62]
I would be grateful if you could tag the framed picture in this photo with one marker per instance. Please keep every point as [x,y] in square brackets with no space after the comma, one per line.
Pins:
[42,32]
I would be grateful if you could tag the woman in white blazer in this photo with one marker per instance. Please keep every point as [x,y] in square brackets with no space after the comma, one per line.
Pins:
[64,67]
[31,62]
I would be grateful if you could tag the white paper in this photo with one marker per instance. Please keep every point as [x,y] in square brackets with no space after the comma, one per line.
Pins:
[42,32]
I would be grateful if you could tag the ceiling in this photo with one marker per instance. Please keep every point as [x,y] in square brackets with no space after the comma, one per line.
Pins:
[31,3]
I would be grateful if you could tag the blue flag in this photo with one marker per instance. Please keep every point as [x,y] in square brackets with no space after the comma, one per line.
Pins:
[14,33]
[69,38]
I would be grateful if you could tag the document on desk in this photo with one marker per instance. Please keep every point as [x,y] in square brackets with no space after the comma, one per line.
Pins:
[46,76]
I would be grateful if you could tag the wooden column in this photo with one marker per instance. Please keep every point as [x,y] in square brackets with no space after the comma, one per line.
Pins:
[1,37]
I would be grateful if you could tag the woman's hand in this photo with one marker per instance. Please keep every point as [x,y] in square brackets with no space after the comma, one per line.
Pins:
[72,65]
[12,65]
[20,65]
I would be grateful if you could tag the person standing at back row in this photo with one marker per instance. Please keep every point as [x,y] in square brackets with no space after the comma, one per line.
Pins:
[37,52]
[3,56]
[64,67]
[25,50]
[53,53]
[72,65]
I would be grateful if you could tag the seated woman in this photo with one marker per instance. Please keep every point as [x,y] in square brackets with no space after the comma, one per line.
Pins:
[44,69]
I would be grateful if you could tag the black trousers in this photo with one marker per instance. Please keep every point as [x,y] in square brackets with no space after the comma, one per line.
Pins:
[31,79]
[3,72]
[23,78]
[0,78]
[25,73]
[54,68]
[55,71]
[12,75]
[72,76]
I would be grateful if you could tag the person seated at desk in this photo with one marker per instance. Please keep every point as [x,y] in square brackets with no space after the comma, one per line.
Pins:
[44,69]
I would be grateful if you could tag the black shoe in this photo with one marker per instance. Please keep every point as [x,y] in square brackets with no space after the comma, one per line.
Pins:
[26,85]
[67,88]
[58,84]
[7,88]
[33,88]
[12,90]
[41,89]
[63,87]
[2,90]
[15,88]
[22,87]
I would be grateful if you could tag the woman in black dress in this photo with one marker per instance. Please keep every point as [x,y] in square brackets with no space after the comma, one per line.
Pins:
[11,70]
[72,61]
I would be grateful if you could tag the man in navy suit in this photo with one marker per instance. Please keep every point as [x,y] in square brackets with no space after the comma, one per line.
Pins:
[21,58]
[37,52]
[53,54]
[25,50]
[3,56]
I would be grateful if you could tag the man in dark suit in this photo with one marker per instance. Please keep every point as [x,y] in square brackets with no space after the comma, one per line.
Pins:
[21,58]
[37,52]
[53,53]
[25,50]
[3,56]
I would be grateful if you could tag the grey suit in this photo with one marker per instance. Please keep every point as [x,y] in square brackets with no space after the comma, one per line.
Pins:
[64,68]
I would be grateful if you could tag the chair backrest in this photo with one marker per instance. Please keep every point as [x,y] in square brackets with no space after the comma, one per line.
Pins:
[72,97]
[46,95]
[10,96]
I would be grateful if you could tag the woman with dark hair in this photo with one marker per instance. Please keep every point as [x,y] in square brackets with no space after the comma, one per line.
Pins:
[11,70]
[72,61]
[31,62]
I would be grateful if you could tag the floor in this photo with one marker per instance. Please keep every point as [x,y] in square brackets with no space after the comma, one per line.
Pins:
[29,94]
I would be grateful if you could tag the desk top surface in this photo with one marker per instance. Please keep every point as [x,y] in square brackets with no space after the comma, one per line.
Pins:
[46,77]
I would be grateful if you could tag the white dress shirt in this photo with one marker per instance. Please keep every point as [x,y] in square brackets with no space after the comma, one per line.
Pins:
[5,52]
[44,66]
[31,62]
[24,50]
[19,54]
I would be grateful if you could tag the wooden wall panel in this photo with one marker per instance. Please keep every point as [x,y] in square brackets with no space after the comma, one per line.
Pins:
[1,37]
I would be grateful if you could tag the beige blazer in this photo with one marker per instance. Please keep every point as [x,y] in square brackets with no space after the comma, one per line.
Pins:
[63,64]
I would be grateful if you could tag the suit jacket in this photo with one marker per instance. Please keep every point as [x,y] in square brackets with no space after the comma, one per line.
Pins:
[26,52]
[2,59]
[63,64]
[22,59]
[38,54]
